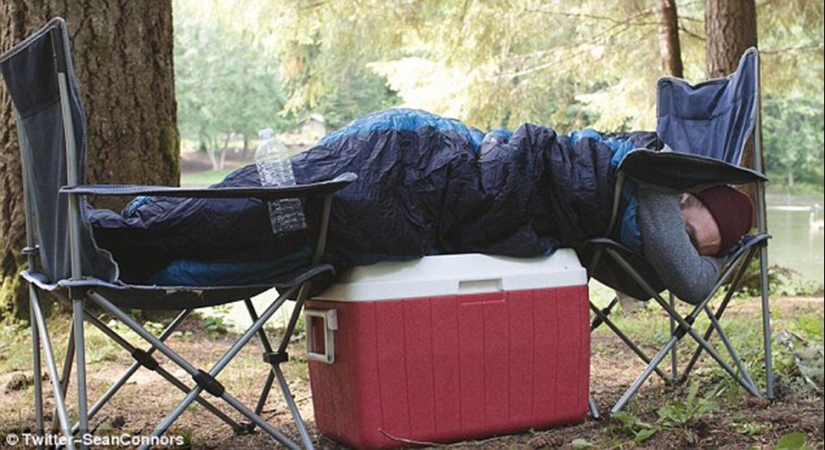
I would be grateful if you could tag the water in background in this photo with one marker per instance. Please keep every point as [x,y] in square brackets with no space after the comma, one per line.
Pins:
[797,243]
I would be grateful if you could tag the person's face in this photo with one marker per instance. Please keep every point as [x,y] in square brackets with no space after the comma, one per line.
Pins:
[701,228]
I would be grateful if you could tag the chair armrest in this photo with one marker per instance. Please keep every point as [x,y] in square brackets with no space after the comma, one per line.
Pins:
[683,172]
[318,189]
[610,273]
[748,241]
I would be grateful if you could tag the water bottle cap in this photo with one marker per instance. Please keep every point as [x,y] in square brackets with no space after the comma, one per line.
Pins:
[266,133]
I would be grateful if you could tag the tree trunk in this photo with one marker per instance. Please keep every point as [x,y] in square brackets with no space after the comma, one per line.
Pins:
[122,52]
[730,28]
[213,159]
[670,48]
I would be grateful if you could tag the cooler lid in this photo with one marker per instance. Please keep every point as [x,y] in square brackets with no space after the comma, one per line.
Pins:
[456,274]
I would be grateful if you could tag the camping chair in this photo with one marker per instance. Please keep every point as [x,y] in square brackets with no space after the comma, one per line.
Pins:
[707,127]
[64,260]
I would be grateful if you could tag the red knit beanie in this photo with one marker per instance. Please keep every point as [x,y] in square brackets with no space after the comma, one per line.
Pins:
[732,210]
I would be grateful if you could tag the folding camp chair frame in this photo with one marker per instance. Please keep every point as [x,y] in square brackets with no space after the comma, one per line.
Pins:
[680,326]
[80,288]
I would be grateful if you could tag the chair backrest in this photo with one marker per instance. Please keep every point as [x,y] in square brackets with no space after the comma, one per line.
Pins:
[707,126]
[714,118]
[52,137]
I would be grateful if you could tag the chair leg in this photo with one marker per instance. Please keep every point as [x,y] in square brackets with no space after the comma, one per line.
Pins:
[267,351]
[276,358]
[601,314]
[715,325]
[270,378]
[80,353]
[66,374]
[145,359]
[630,344]
[217,368]
[708,333]
[134,367]
[766,321]
[644,375]
[674,353]
[51,365]
[592,408]
[38,376]
[205,380]
[726,342]
[293,407]
[685,326]
[303,293]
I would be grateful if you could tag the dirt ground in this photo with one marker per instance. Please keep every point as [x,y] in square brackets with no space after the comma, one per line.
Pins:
[742,423]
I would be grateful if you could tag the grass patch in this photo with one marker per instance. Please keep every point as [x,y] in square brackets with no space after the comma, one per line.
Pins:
[198,179]
[709,411]
[809,325]
[742,323]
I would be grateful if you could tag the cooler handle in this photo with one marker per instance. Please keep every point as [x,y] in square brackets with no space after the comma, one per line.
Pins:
[330,319]
[481,286]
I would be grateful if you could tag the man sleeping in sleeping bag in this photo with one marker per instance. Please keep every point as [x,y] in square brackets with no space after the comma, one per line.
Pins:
[431,185]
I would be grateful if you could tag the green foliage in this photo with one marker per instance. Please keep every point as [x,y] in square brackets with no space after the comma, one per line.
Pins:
[225,82]
[794,139]
[215,325]
[630,425]
[792,441]
[494,63]
[782,281]
[13,293]
[361,92]
[683,413]
[748,429]
[205,178]
[488,63]
[808,325]
[580,444]
[565,64]
[99,347]
[215,320]
[11,332]
[677,415]
[791,38]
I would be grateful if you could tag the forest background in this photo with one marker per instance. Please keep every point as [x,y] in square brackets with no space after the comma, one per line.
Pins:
[244,65]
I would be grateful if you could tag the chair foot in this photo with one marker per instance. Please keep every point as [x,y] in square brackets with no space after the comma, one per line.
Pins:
[673,382]
[592,410]
[246,428]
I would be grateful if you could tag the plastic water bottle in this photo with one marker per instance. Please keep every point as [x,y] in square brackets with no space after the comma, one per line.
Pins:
[274,169]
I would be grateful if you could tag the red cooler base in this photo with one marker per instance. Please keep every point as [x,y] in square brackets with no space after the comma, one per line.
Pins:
[450,368]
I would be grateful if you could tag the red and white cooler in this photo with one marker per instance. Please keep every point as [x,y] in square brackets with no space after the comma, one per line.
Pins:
[449,348]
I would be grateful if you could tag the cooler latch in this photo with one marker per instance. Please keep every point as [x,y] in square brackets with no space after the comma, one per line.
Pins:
[321,348]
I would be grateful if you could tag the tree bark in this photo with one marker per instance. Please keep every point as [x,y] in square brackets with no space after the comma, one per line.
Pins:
[122,52]
[730,28]
[669,45]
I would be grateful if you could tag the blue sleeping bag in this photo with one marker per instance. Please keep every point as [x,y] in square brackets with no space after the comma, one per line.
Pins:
[426,185]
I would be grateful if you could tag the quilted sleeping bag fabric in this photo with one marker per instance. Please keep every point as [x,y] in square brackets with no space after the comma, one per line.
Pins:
[426,185]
